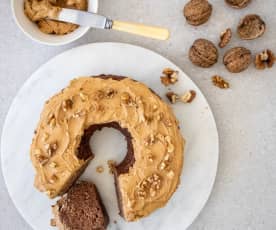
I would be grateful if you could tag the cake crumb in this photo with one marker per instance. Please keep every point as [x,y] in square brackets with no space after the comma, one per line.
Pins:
[111,166]
[219,82]
[100,169]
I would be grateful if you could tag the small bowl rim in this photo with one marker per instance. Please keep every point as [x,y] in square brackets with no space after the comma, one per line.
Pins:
[60,43]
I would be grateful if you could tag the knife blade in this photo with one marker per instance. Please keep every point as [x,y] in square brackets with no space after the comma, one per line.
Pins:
[84,18]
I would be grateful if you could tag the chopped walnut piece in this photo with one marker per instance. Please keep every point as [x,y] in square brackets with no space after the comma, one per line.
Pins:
[127,100]
[83,96]
[169,77]
[150,158]
[170,146]
[162,165]
[79,114]
[67,104]
[225,38]
[53,179]
[149,186]
[52,121]
[50,192]
[45,136]
[99,95]
[42,159]
[170,174]
[150,140]
[100,169]
[110,93]
[220,82]
[51,148]
[173,97]
[265,59]
[111,165]
[188,97]
[53,164]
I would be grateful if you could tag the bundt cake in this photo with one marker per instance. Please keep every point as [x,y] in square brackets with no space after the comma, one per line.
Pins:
[150,173]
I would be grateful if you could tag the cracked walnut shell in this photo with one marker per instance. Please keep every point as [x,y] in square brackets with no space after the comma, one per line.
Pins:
[238,4]
[203,53]
[251,27]
[237,59]
[197,12]
[265,59]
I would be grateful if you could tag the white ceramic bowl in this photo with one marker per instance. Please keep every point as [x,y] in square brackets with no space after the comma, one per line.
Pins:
[31,30]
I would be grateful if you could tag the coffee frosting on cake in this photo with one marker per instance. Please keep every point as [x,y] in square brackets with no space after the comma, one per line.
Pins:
[153,169]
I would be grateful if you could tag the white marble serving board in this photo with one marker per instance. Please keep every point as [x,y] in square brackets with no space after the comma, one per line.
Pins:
[196,121]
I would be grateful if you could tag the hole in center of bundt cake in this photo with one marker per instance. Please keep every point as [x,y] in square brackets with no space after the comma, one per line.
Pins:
[85,151]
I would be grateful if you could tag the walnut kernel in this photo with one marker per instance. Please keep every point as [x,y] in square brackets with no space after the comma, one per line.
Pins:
[172,97]
[188,97]
[225,38]
[43,160]
[67,104]
[220,82]
[265,59]
[169,77]
[51,148]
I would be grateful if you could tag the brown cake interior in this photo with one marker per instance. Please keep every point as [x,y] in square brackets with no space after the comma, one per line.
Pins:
[81,209]
[84,151]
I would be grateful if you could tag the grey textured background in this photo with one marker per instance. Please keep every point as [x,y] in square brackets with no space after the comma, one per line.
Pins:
[244,195]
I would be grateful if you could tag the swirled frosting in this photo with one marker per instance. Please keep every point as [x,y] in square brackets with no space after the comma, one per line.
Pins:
[156,139]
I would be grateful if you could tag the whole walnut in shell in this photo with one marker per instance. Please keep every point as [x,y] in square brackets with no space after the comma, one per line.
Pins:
[237,59]
[238,4]
[197,12]
[251,27]
[203,53]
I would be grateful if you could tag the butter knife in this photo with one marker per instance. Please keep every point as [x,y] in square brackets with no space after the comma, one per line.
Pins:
[84,18]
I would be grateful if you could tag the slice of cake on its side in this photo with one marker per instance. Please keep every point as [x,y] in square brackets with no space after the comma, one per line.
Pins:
[80,209]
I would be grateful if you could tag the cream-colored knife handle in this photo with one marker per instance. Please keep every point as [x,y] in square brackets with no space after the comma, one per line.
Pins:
[140,29]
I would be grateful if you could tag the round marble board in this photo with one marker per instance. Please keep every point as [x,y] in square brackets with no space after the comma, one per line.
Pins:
[196,121]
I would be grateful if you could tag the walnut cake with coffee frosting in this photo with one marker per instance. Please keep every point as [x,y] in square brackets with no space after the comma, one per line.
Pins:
[150,173]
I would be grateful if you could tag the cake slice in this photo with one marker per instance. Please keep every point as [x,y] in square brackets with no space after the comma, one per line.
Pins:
[80,209]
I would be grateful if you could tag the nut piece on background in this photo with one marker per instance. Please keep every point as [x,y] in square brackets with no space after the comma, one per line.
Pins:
[237,59]
[225,38]
[197,12]
[169,77]
[251,27]
[238,4]
[187,97]
[172,97]
[220,82]
[203,53]
[265,59]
